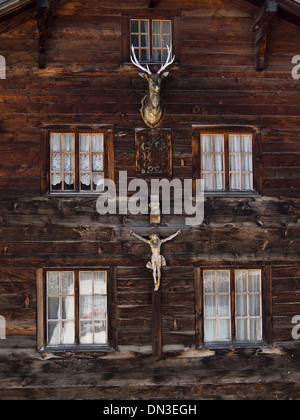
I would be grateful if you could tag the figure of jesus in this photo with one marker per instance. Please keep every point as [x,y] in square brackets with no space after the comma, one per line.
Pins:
[157,260]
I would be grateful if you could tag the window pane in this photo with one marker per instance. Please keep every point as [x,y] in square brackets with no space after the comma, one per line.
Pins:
[97,162]
[235,165]
[210,328]
[209,281]
[68,311]
[98,182]
[134,24]
[166,26]
[67,279]
[86,333]
[224,305]
[210,306]
[100,332]
[68,333]
[56,143]
[69,182]
[166,42]
[235,182]
[241,305]
[254,305]
[84,142]
[223,281]
[248,305]
[208,181]
[241,330]
[156,26]
[206,143]
[234,144]
[219,182]
[86,307]
[53,308]
[100,307]
[241,280]
[56,162]
[86,283]
[156,41]
[100,283]
[85,162]
[53,333]
[246,142]
[218,162]
[144,26]
[56,182]
[247,163]
[144,41]
[217,311]
[207,162]
[97,143]
[247,182]
[53,283]
[157,55]
[135,41]
[68,162]
[254,281]
[69,143]
[85,180]
[218,143]
[224,330]
[255,330]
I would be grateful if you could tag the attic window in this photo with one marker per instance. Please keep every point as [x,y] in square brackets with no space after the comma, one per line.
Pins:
[150,38]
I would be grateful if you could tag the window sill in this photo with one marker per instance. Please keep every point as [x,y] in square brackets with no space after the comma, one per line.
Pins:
[229,346]
[74,194]
[77,349]
[238,194]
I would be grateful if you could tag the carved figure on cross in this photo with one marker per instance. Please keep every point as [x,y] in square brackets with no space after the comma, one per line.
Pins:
[157,260]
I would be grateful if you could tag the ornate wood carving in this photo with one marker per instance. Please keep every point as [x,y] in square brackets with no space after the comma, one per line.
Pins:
[154,152]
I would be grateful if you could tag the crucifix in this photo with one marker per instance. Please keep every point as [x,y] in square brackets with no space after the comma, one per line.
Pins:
[157,260]
[156,264]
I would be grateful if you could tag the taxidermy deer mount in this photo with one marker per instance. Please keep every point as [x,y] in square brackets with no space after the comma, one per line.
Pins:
[152,106]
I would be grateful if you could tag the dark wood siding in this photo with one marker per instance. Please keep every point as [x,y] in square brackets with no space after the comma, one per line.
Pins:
[86,82]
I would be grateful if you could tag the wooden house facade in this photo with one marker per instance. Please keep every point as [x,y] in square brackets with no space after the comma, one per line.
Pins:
[80,316]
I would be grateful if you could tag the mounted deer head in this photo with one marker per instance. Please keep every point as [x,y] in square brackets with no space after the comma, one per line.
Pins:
[152,107]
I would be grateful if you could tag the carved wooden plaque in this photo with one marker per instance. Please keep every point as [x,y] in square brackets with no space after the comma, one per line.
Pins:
[154,152]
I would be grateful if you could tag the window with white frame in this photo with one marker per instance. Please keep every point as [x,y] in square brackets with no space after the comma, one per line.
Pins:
[76,308]
[76,162]
[226,161]
[233,305]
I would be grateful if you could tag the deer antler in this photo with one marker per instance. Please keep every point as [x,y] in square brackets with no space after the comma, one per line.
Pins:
[135,61]
[168,62]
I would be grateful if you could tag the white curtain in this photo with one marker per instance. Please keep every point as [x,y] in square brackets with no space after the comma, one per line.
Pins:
[240,160]
[60,308]
[248,305]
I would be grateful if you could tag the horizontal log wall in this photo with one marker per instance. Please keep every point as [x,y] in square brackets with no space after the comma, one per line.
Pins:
[86,82]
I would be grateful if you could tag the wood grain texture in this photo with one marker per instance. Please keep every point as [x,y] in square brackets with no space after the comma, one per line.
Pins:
[88,82]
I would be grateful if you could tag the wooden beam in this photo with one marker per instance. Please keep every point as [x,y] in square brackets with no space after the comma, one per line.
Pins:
[42,17]
[156,324]
[290,6]
[261,23]
[152,3]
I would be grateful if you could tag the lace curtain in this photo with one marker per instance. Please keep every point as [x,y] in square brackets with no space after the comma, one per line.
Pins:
[240,162]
